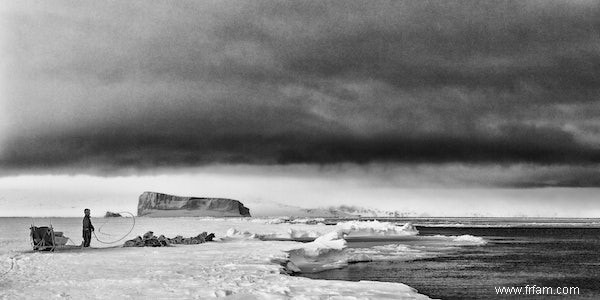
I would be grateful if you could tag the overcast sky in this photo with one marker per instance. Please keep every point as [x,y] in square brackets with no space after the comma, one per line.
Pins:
[496,94]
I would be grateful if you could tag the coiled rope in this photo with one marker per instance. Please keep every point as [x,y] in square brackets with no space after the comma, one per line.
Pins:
[124,236]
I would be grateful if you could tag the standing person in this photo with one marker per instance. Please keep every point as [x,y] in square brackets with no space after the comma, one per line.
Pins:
[87,228]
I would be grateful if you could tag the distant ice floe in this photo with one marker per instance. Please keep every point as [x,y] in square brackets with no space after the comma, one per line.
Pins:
[467,239]
[329,250]
[376,228]
[307,221]
[290,235]
[233,233]
[277,220]
[452,240]
[324,253]
[363,230]
[351,230]
[295,234]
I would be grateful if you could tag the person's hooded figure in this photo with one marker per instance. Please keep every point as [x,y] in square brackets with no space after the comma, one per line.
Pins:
[87,228]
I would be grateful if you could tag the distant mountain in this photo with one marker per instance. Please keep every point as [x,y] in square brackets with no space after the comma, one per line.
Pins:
[365,212]
[278,209]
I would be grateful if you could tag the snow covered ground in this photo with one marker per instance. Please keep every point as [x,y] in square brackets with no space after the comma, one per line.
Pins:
[240,266]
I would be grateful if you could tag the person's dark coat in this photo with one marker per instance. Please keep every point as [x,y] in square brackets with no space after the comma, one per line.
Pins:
[87,223]
[87,231]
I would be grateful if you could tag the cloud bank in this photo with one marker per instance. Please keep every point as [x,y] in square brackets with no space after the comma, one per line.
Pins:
[177,84]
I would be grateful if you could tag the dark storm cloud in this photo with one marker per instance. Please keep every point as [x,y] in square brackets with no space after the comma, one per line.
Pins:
[475,44]
[184,83]
[117,148]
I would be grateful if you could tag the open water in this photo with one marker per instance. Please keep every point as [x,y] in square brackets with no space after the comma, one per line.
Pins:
[547,254]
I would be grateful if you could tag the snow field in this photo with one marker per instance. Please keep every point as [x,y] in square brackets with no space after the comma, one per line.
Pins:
[243,268]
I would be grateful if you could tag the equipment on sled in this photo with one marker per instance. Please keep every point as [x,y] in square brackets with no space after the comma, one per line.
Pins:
[46,239]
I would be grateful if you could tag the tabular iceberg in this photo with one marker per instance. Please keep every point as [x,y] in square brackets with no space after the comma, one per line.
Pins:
[153,204]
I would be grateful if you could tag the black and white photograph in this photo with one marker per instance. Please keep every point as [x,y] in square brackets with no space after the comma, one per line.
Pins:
[271,149]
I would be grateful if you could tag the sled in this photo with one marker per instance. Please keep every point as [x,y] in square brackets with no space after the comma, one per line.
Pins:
[46,239]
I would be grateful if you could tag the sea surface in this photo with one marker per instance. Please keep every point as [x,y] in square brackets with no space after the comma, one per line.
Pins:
[519,252]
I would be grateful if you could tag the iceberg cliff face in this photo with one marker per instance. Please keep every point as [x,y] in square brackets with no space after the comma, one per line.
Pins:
[153,204]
